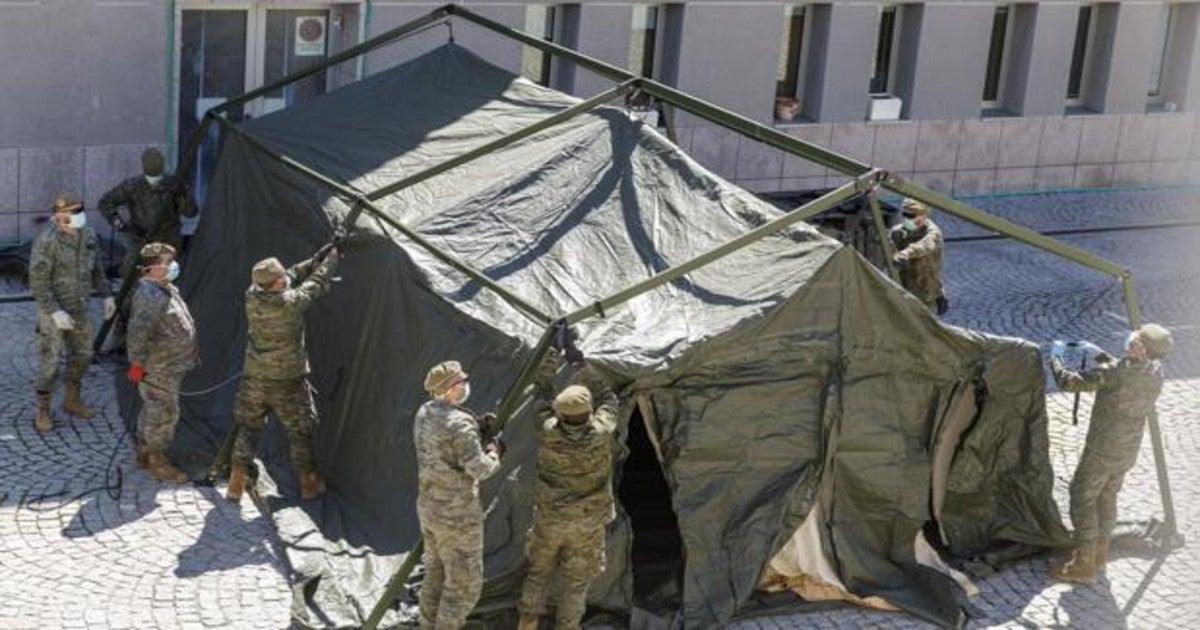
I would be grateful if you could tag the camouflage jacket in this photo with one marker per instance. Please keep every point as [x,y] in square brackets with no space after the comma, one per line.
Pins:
[1125,396]
[920,257]
[450,464]
[574,462]
[275,322]
[145,202]
[64,268]
[161,334]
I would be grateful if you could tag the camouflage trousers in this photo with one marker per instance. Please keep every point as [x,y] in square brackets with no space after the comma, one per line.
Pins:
[1094,491]
[292,402]
[160,409]
[51,342]
[453,573]
[576,550]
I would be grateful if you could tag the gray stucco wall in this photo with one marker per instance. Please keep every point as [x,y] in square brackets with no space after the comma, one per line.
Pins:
[1040,59]
[604,31]
[950,64]
[829,94]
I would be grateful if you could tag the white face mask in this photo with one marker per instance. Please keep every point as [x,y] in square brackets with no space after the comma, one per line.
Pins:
[172,271]
[466,393]
[78,220]
[153,180]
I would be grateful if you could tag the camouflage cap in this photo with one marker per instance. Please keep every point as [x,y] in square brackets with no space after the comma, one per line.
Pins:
[152,252]
[443,376]
[1157,340]
[915,207]
[66,202]
[575,400]
[152,162]
[267,271]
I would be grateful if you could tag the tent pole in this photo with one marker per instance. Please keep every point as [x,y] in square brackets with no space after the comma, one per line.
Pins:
[383,39]
[503,141]
[503,412]
[669,115]
[885,240]
[854,187]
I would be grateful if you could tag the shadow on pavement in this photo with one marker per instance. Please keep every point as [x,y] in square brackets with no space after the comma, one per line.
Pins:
[220,545]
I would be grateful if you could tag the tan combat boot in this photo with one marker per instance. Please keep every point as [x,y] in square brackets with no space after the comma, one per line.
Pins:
[1080,568]
[161,469]
[311,485]
[1101,553]
[44,420]
[527,622]
[237,483]
[73,404]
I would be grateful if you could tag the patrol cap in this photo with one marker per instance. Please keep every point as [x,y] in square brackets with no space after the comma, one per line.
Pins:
[66,202]
[152,252]
[575,400]
[915,207]
[1157,340]
[443,376]
[266,272]
[152,162]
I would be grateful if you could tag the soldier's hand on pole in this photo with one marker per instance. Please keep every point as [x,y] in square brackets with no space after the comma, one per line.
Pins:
[110,307]
[487,426]
[496,446]
[62,320]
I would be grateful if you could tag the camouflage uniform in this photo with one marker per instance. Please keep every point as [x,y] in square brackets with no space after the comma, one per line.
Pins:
[162,338]
[275,372]
[169,199]
[63,269]
[450,464]
[919,253]
[573,501]
[1125,396]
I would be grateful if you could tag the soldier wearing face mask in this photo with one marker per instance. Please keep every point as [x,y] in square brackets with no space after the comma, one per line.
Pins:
[275,372]
[64,267]
[155,201]
[918,243]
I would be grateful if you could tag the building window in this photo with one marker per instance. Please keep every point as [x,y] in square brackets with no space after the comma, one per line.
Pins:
[885,44]
[1083,27]
[642,40]
[1162,44]
[995,62]
[539,20]
[787,71]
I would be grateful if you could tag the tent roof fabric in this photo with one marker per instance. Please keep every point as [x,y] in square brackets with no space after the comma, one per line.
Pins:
[787,374]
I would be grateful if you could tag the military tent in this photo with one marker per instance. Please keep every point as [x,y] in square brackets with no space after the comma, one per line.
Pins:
[784,404]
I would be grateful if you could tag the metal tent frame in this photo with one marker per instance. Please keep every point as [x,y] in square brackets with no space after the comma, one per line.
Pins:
[864,180]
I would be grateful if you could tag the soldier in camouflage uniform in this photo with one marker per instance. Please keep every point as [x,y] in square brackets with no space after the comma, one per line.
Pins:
[275,372]
[155,201]
[162,349]
[918,243]
[451,461]
[64,267]
[1126,391]
[573,498]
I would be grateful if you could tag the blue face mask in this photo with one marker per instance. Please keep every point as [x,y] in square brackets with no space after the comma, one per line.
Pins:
[78,220]
[173,271]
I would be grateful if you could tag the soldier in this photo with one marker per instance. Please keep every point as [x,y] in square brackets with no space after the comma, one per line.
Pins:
[162,349]
[275,372]
[451,461]
[64,267]
[156,201]
[918,244]
[1126,391]
[573,498]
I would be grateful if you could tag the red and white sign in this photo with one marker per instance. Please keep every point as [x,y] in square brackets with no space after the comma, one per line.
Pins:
[310,36]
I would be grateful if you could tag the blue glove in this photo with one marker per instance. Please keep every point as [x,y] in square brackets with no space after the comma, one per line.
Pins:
[1058,348]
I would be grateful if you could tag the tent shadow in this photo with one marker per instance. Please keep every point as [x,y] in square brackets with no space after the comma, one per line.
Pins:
[100,513]
[223,544]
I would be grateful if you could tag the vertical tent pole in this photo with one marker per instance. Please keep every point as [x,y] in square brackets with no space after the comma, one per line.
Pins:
[885,240]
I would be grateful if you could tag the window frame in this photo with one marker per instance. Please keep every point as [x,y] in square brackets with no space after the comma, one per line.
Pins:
[1154,92]
[889,87]
[1087,53]
[795,63]
[997,100]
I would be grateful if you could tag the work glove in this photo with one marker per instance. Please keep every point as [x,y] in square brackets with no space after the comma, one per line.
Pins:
[110,307]
[62,320]
[1058,348]
[487,426]
[496,447]
[136,373]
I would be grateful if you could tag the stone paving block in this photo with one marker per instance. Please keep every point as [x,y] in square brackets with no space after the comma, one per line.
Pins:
[716,148]
[106,166]
[1171,173]
[975,182]
[10,181]
[1019,141]
[1098,139]
[1053,177]
[1093,176]
[46,172]
[1014,179]
[1173,137]
[979,146]
[941,181]
[1132,174]
[855,140]
[1059,145]
[795,166]
[895,146]
[815,183]
[757,160]
[1136,143]
[937,145]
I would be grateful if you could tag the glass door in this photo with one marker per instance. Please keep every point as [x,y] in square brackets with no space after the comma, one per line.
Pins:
[293,39]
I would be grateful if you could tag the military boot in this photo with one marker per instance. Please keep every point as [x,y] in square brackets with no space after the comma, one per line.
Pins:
[237,483]
[311,484]
[1101,553]
[1080,568]
[73,404]
[44,420]
[527,623]
[161,469]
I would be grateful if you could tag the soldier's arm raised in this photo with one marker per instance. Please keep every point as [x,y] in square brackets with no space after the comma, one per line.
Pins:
[147,308]
[317,283]
[1081,381]
[543,385]
[604,417]
[468,450]
[924,246]
[41,270]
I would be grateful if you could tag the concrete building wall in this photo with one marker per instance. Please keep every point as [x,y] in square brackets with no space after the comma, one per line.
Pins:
[837,51]
[949,73]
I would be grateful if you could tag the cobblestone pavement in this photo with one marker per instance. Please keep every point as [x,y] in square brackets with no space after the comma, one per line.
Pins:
[181,557]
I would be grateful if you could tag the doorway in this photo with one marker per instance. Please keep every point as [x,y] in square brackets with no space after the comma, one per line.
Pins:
[227,50]
[657,553]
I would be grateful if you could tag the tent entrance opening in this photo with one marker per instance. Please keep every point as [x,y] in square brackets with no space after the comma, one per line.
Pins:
[657,545]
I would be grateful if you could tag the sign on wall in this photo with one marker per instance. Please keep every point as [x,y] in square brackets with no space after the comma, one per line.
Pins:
[310,36]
